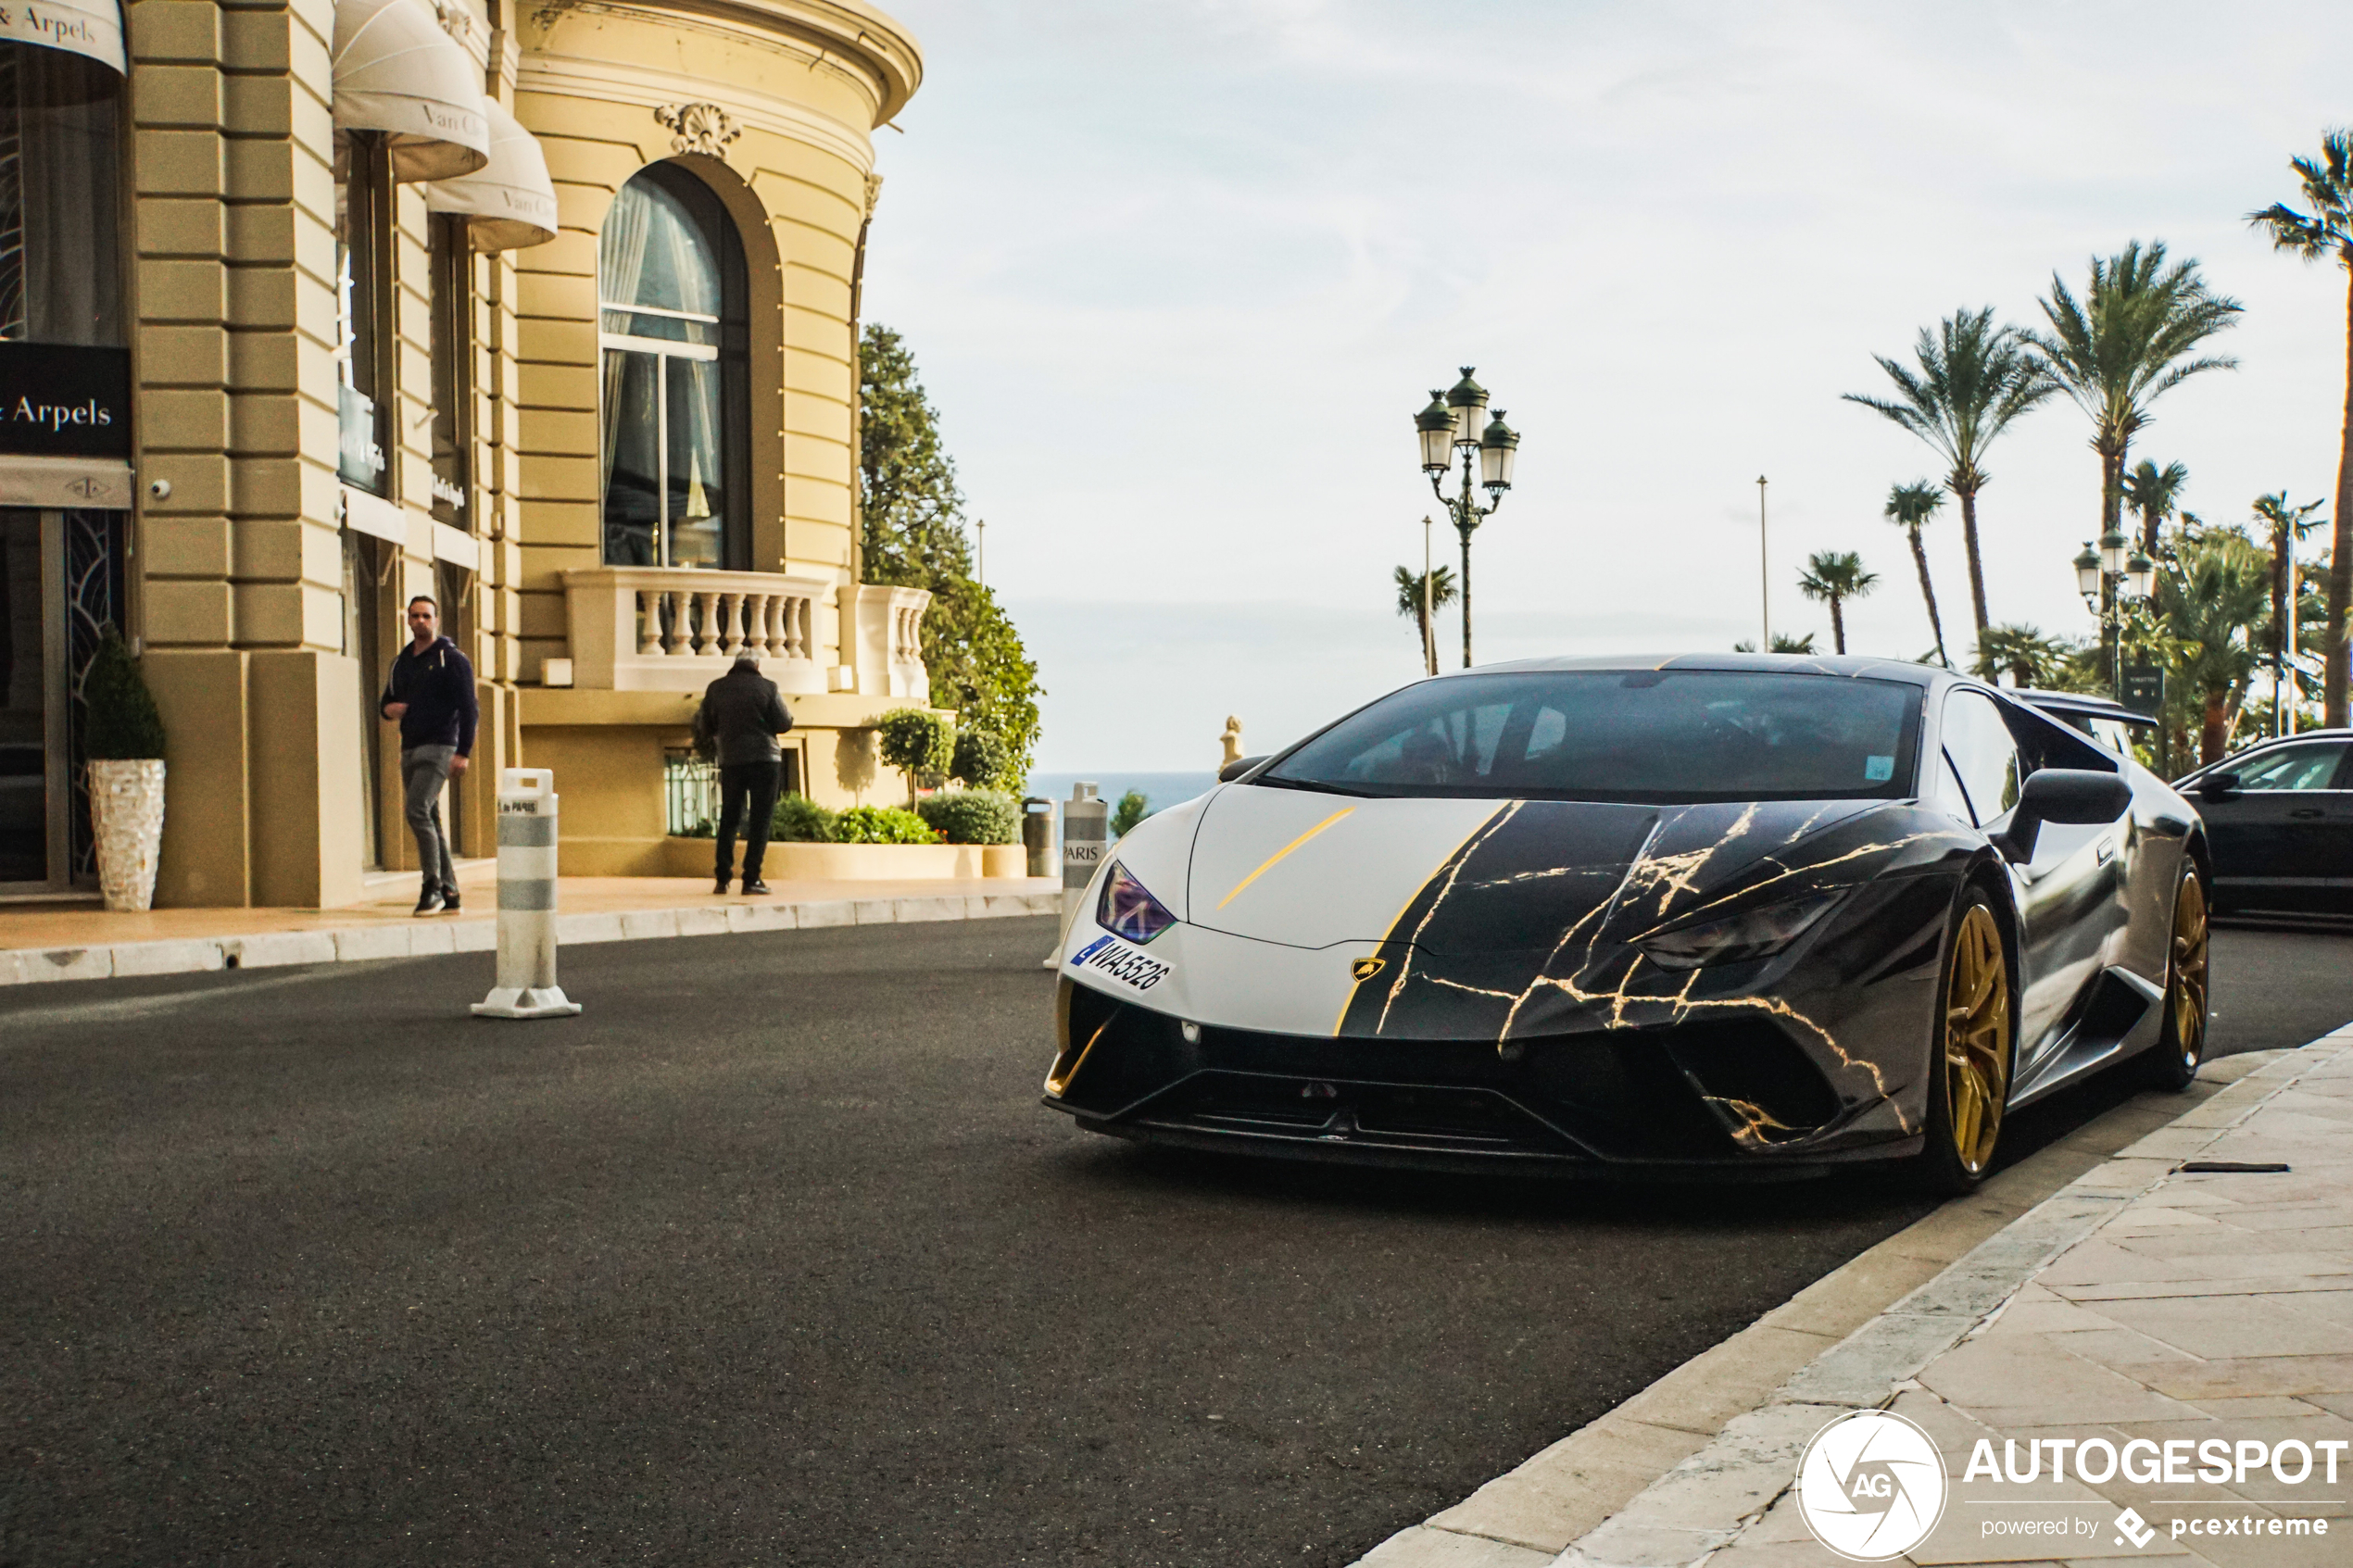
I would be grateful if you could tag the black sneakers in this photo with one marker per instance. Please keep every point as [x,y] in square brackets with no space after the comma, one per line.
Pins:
[430,902]
[721,888]
[755,886]
[449,900]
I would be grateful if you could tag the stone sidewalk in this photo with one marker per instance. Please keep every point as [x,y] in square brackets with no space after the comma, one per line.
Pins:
[2135,1302]
[45,942]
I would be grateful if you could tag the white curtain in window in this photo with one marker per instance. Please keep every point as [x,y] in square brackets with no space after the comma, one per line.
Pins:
[65,126]
[621,261]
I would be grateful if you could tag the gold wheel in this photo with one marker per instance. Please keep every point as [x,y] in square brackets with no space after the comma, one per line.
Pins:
[2189,971]
[1977,1039]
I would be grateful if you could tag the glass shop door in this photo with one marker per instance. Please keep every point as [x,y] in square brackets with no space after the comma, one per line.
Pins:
[61,584]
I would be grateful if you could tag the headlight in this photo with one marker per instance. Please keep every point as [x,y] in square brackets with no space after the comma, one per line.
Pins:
[1128,909]
[1735,938]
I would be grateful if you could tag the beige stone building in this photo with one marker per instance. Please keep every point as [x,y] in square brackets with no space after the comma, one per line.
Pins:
[549,313]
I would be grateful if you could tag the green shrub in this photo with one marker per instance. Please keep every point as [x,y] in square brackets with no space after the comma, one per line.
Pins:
[1133,808]
[984,759]
[799,820]
[881,825]
[124,721]
[918,741]
[973,816]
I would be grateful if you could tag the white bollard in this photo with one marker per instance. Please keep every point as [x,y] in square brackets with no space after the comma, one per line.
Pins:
[526,986]
[1085,836]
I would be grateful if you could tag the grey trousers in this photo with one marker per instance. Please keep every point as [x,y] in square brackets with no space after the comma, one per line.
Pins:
[424,769]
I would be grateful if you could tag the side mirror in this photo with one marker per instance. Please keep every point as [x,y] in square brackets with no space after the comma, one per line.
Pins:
[2219,787]
[1238,767]
[2062,794]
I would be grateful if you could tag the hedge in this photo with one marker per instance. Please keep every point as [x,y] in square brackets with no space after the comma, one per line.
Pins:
[973,816]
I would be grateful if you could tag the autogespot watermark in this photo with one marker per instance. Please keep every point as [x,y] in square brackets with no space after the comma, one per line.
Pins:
[1872,1485]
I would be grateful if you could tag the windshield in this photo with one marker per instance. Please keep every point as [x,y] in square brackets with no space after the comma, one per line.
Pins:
[1615,735]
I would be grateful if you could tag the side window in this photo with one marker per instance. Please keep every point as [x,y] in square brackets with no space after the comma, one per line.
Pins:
[1982,753]
[1944,789]
[2293,766]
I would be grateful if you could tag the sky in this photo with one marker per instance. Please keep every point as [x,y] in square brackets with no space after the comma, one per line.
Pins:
[1178,276]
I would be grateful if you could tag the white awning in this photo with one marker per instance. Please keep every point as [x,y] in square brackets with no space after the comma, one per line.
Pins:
[397,72]
[79,27]
[511,201]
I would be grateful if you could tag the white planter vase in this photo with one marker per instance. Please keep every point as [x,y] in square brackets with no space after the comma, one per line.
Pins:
[126,806]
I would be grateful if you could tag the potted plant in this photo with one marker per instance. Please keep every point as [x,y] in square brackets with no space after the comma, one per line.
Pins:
[125,748]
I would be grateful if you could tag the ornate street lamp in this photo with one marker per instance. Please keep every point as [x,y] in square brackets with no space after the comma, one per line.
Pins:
[1454,424]
[2107,575]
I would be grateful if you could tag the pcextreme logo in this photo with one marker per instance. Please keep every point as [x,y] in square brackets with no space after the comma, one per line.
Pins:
[1872,1486]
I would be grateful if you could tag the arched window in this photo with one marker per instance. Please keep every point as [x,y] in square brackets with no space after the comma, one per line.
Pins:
[669,284]
[59,281]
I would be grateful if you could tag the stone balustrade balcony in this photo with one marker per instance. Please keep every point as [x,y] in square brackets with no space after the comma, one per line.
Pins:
[670,629]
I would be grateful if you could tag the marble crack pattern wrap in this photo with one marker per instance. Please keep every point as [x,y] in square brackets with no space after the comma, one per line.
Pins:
[1526,933]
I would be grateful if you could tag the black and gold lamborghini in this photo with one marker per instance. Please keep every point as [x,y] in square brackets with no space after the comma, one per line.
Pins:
[1709,914]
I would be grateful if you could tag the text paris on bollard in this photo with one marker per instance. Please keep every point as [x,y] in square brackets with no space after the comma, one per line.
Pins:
[526,985]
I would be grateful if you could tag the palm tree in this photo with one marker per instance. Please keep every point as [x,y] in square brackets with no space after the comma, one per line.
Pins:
[2208,601]
[1974,377]
[1410,602]
[2284,524]
[2154,492]
[2328,188]
[2126,344]
[2023,652]
[1833,577]
[1783,643]
[1908,507]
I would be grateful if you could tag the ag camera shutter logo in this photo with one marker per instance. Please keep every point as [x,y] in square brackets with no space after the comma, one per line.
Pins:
[1872,1486]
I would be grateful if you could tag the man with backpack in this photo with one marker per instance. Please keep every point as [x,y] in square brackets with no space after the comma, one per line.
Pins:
[431,695]
[741,716]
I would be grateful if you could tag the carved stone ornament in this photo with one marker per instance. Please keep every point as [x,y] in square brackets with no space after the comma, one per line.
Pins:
[698,127]
[873,193]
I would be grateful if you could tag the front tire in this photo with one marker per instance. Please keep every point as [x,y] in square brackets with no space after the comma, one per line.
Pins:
[2181,1046]
[1970,1056]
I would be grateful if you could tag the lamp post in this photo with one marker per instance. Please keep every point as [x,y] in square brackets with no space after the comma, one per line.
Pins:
[1455,422]
[2106,574]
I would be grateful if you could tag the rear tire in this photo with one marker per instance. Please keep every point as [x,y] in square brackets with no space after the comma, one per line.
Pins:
[1970,1052]
[2180,1044]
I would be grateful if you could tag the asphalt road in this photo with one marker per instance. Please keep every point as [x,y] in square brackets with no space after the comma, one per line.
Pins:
[772,1257]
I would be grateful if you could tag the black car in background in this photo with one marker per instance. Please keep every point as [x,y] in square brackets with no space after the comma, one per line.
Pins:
[2280,819]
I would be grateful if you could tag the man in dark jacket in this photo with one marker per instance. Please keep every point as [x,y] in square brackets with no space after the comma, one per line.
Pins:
[742,714]
[431,692]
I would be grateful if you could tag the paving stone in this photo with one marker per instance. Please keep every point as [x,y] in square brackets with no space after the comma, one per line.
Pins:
[906,910]
[374,942]
[1573,1486]
[584,929]
[2237,1325]
[762,917]
[873,912]
[275,949]
[839,912]
[1841,1301]
[2031,1382]
[710,921]
[1859,1372]
[1422,1546]
[1714,1387]
[184,957]
[639,925]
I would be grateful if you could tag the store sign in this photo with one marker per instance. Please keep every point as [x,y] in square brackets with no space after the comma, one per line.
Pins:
[92,27]
[61,400]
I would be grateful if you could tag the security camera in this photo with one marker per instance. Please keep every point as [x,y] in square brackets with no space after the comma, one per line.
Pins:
[160,490]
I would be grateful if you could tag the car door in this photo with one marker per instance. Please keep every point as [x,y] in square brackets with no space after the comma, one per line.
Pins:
[2067,896]
[2275,840]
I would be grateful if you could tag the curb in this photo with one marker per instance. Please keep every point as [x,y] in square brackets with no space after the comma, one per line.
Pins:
[1719,1437]
[273,949]
[1707,1501]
